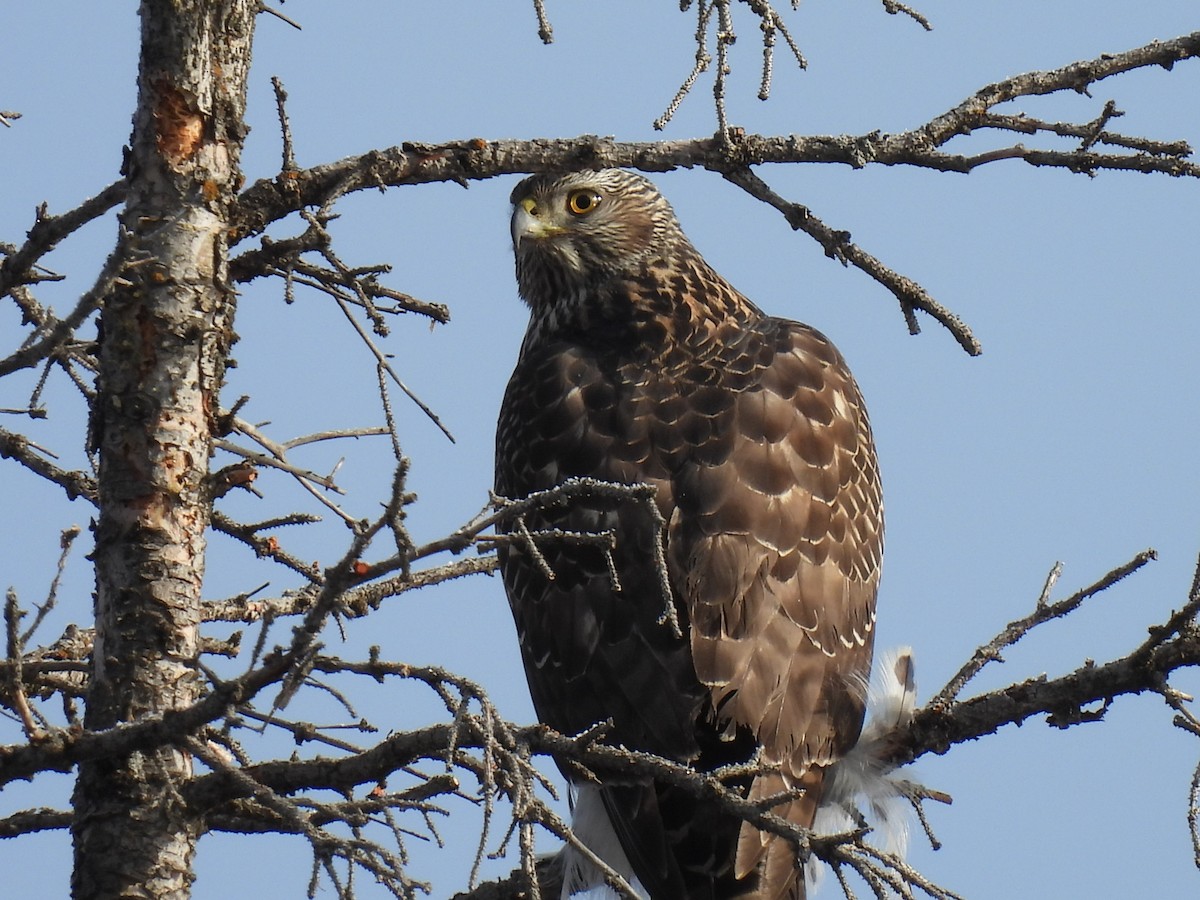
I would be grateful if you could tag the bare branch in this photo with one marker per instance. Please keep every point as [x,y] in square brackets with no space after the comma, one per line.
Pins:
[65,542]
[703,61]
[1077,76]
[357,601]
[891,7]
[48,231]
[16,683]
[283,465]
[1044,612]
[545,31]
[54,330]
[74,483]
[769,23]
[1193,815]
[268,547]
[262,7]
[1064,700]
[838,246]
[285,127]
[732,153]
[30,821]
[462,161]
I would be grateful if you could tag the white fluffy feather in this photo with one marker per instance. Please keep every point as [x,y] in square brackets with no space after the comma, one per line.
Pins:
[859,781]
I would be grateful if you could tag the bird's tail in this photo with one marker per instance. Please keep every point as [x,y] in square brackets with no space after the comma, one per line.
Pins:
[592,826]
[773,857]
[861,780]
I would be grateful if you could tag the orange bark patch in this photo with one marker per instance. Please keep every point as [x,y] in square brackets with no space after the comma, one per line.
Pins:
[179,127]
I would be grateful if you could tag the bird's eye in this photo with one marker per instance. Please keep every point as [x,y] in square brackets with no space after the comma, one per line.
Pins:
[580,203]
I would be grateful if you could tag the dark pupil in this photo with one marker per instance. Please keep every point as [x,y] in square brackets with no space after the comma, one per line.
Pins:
[582,202]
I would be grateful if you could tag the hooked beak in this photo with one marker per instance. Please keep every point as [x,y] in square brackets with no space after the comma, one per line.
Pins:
[527,223]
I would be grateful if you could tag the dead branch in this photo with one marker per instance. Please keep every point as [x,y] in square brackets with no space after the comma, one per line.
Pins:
[268,547]
[1065,701]
[1043,612]
[357,601]
[838,246]
[20,448]
[15,687]
[715,21]
[54,332]
[30,821]
[731,153]
[48,231]
[545,32]
[507,749]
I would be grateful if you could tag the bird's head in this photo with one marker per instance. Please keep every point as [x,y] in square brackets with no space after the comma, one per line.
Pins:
[573,232]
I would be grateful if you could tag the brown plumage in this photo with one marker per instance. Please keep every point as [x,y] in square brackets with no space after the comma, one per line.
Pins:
[642,364]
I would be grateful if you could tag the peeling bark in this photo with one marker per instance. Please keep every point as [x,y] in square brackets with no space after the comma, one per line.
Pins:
[166,329]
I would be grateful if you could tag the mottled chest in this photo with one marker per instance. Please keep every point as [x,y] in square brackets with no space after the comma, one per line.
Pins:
[579,410]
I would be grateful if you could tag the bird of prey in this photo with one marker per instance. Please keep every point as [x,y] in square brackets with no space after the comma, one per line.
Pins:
[642,365]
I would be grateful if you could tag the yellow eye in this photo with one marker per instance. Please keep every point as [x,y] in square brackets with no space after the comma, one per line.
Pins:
[582,202]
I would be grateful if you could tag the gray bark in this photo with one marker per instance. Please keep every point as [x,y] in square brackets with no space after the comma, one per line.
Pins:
[166,329]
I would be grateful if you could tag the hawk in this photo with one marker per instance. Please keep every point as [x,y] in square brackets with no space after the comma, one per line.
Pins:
[641,364]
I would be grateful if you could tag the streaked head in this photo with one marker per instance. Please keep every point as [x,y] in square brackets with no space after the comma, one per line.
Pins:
[573,231]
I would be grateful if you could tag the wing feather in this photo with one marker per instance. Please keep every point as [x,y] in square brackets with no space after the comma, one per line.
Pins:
[776,553]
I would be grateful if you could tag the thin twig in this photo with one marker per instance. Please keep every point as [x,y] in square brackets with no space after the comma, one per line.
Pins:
[703,60]
[285,127]
[1043,612]
[838,246]
[16,678]
[380,357]
[262,7]
[545,32]
[33,353]
[65,541]
[892,7]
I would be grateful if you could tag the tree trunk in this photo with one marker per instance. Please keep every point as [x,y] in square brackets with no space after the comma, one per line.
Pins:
[165,332]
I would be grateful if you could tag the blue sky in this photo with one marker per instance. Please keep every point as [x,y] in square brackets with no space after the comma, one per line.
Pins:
[1072,438]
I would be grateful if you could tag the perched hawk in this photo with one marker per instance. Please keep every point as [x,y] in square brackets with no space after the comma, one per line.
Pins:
[643,365]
